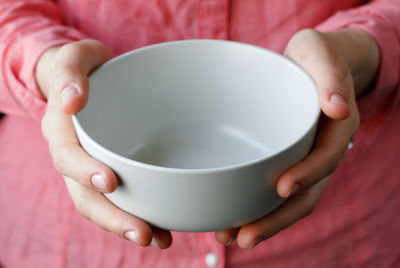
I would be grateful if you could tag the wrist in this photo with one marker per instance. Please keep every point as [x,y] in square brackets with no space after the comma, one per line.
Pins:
[360,52]
[44,70]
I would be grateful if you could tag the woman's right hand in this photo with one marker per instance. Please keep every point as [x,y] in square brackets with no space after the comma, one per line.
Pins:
[62,75]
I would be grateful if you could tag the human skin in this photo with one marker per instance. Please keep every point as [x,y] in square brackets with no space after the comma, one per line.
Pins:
[343,64]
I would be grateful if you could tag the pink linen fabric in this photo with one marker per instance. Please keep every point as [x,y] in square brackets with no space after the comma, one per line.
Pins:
[356,223]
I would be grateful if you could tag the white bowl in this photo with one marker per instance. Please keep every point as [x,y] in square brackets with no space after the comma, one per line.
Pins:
[199,130]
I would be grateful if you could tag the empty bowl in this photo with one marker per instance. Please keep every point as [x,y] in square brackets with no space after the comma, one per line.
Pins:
[198,131]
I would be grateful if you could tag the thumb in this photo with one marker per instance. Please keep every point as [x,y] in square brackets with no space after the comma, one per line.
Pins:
[324,64]
[72,65]
[334,92]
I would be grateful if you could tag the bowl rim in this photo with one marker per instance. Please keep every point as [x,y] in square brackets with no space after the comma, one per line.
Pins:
[81,132]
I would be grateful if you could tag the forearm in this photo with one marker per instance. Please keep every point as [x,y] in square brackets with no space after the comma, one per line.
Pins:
[360,52]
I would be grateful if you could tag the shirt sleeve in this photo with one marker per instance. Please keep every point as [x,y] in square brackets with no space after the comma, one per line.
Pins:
[381,20]
[27,29]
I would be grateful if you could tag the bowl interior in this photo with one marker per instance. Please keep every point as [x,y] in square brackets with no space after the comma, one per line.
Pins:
[199,104]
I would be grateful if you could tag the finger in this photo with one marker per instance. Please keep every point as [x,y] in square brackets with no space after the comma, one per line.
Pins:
[162,239]
[329,150]
[330,147]
[226,237]
[98,209]
[292,210]
[328,70]
[68,156]
[333,90]
[72,65]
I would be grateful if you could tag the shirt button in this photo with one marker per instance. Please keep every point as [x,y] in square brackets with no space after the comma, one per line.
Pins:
[351,144]
[211,260]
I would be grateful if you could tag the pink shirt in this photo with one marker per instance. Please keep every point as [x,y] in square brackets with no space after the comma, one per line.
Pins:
[356,223]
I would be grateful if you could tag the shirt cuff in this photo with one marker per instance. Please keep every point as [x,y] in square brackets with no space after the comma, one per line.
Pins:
[37,43]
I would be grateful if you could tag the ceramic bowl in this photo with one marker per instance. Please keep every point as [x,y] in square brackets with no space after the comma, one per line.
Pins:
[199,131]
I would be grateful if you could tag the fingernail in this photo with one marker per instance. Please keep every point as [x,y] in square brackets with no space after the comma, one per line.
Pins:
[154,243]
[131,236]
[99,183]
[260,239]
[68,93]
[337,98]
[296,188]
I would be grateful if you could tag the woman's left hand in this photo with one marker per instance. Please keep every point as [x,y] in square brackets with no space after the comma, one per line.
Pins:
[337,63]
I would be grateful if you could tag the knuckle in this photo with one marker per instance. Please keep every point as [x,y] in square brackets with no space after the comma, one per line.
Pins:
[92,45]
[309,206]
[112,225]
[307,34]
[321,168]
[90,41]
[336,79]
[63,74]
[68,49]
[80,204]
[81,200]
[294,51]
[58,157]
[333,163]
[330,159]
[65,69]
[44,126]
[323,165]
[280,225]
[84,46]
[356,122]
[58,163]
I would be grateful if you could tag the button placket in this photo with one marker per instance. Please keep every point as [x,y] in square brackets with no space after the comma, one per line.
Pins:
[213,253]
